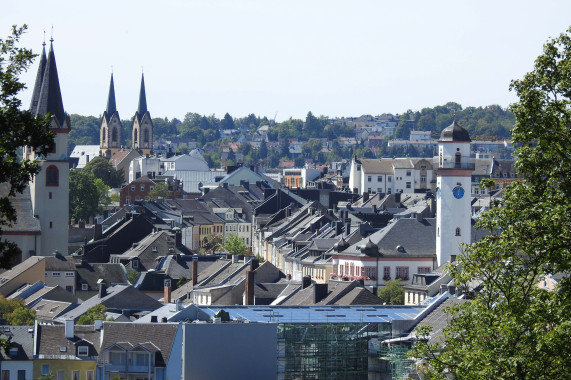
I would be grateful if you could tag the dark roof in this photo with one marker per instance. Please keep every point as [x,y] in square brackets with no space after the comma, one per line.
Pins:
[455,133]
[50,100]
[22,338]
[111,105]
[142,107]
[52,293]
[148,335]
[39,80]
[359,296]
[49,310]
[59,262]
[90,274]
[52,343]
[439,319]
[266,293]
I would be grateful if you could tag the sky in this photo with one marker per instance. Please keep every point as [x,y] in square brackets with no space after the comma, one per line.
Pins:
[283,58]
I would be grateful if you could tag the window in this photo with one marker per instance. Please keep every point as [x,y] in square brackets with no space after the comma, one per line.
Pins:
[358,168]
[389,179]
[56,274]
[379,190]
[60,375]
[21,374]
[424,269]
[117,358]
[142,187]
[379,178]
[13,352]
[52,176]
[402,273]
[457,231]
[84,287]
[423,167]
[45,369]
[114,135]
[408,185]
[154,248]
[82,351]
[386,273]
[132,187]
[408,173]
[5,374]
[369,178]
[135,263]
[369,190]
[151,188]
[51,224]
[75,375]
[69,288]
[50,195]
[69,274]
[146,135]
[135,136]
[422,178]
[90,375]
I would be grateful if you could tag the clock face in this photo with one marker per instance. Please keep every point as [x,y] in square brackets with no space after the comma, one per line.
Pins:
[458,192]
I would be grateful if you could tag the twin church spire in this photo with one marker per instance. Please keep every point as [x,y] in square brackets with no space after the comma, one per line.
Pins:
[111,125]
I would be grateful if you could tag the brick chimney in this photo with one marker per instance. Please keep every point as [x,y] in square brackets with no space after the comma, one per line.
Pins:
[167,292]
[249,296]
[194,271]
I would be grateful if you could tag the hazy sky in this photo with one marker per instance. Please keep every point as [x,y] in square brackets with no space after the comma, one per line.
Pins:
[268,57]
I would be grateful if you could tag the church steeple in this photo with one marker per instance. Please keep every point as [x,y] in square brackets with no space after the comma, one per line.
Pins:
[50,100]
[110,133]
[142,108]
[39,80]
[142,137]
[111,105]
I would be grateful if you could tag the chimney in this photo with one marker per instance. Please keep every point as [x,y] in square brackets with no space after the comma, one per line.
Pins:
[254,264]
[249,300]
[102,290]
[338,228]
[225,185]
[69,329]
[167,292]
[178,237]
[305,282]
[443,288]
[319,292]
[153,319]
[365,196]
[194,271]
[347,228]
[375,209]
[97,231]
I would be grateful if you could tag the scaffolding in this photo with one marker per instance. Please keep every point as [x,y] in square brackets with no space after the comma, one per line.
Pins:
[400,364]
[326,350]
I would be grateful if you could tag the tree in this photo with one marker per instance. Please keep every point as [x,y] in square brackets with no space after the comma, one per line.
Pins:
[133,276]
[512,328]
[17,128]
[234,245]
[392,293]
[93,313]
[160,190]
[103,193]
[99,167]
[22,316]
[210,244]
[227,122]
[83,195]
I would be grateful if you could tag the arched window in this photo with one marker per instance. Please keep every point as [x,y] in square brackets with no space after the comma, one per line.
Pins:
[457,231]
[114,135]
[103,135]
[135,136]
[146,136]
[52,176]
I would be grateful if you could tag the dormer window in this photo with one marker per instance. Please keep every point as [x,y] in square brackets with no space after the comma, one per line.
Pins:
[83,351]
[13,352]
[135,263]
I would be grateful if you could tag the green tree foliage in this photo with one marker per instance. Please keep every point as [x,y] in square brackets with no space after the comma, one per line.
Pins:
[160,190]
[165,128]
[17,128]
[103,193]
[227,122]
[181,281]
[14,312]
[263,153]
[93,313]
[83,195]
[514,329]
[133,276]
[99,167]
[234,245]
[392,293]
[85,131]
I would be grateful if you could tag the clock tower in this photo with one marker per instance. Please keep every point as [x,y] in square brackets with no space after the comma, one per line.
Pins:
[453,207]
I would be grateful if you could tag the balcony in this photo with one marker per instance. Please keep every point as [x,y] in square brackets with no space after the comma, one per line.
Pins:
[464,162]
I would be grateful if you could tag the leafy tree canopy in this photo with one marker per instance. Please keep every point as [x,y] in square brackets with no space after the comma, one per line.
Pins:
[17,128]
[160,190]
[93,313]
[392,293]
[14,312]
[234,245]
[513,328]
[83,195]
[99,167]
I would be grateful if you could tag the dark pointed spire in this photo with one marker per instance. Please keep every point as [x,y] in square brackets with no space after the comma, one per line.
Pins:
[142,109]
[50,100]
[111,105]
[39,80]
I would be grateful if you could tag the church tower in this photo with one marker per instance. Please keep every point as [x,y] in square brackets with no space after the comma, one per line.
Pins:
[142,124]
[453,208]
[111,126]
[49,189]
